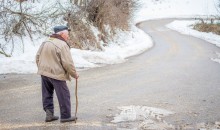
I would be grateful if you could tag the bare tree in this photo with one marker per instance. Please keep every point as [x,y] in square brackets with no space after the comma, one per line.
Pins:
[81,2]
[18,20]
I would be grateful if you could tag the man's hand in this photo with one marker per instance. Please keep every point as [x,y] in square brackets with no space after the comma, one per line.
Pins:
[77,76]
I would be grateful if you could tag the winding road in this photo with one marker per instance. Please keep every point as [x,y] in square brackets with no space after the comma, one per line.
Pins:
[177,74]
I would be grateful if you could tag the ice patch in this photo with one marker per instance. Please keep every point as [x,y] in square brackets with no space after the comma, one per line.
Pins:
[216,59]
[136,113]
[149,118]
[142,117]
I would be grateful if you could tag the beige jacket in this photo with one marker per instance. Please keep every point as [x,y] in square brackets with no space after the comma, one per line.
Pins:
[54,60]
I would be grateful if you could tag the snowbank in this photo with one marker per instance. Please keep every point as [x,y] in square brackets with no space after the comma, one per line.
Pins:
[127,44]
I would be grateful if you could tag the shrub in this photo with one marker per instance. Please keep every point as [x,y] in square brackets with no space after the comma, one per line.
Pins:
[114,13]
[208,27]
[81,35]
[106,15]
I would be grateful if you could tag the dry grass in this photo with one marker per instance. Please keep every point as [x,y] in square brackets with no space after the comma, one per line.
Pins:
[114,13]
[205,27]
[81,35]
[103,14]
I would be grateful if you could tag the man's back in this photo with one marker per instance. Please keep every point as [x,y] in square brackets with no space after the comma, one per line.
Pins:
[52,57]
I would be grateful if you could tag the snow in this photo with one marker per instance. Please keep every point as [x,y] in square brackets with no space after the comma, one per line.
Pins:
[143,117]
[217,59]
[157,9]
[134,113]
[126,44]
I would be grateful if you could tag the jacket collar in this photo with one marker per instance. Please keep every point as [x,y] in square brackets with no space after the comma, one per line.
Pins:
[57,36]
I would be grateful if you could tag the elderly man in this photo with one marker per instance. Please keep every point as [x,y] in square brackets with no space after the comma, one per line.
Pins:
[55,65]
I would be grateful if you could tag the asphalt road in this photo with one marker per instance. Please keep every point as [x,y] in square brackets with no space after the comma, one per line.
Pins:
[177,74]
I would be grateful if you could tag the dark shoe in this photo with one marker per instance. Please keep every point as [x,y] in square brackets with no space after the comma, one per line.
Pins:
[50,117]
[73,118]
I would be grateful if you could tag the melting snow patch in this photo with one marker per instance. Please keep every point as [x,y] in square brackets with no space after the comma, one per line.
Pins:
[142,117]
[216,59]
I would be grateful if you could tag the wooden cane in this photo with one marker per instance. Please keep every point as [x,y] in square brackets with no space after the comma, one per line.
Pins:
[76,99]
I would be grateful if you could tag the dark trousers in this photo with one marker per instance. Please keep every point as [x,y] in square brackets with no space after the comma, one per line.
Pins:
[62,92]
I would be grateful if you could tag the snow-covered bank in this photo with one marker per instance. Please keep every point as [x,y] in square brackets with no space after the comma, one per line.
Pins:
[157,9]
[186,27]
[126,44]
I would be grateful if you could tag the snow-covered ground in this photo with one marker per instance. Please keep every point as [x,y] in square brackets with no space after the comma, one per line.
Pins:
[157,9]
[124,45]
